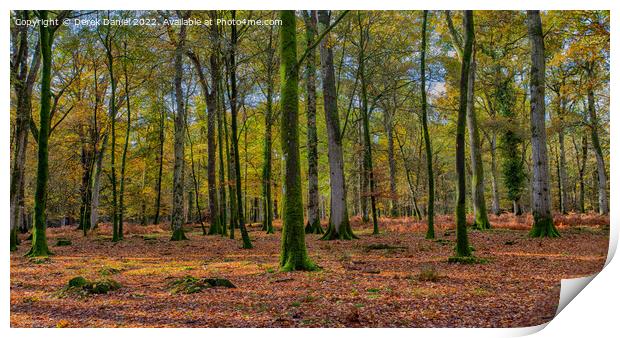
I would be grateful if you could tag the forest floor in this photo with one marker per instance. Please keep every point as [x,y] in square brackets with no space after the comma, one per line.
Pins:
[395,279]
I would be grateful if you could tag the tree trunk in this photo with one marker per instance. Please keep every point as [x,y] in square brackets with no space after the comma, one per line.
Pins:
[39,240]
[97,170]
[121,207]
[293,255]
[430,233]
[247,244]
[389,129]
[220,145]
[494,184]
[267,146]
[541,201]
[339,226]
[23,84]
[162,129]
[108,44]
[179,141]
[462,243]
[314,222]
[603,205]
[563,177]
[581,165]
[368,167]
[481,219]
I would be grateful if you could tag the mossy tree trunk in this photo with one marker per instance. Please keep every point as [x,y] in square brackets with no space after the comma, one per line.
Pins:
[293,255]
[39,240]
[430,214]
[481,219]
[23,79]
[462,243]
[339,226]
[541,200]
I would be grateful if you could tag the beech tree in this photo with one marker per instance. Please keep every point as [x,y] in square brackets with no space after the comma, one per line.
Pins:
[541,201]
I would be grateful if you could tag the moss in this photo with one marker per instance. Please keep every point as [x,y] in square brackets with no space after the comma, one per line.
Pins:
[81,287]
[189,284]
[77,282]
[178,235]
[544,227]
[314,228]
[107,271]
[63,242]
[345,232]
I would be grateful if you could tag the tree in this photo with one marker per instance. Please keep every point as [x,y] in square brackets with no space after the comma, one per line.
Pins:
[232,72]
[267,146]
[210,97]
[108,43]
[462,243]
[481,220]
[293,255]
[179,138]
[368,168]
[430,214]
[339,226]
[314,221]
[23,78]
[160,158]
[46,40]
[541,200]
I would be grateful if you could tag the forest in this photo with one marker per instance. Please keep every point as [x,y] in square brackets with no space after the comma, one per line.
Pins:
[310,168]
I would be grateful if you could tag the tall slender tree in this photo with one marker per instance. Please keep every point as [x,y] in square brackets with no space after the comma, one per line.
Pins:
[46,40]
[368,167]
[232,70]
[481,219]
[314,221]
[23,78]
[541,200]
[179,137]
[293,255]
[462,243]
[430,213]
[339,226]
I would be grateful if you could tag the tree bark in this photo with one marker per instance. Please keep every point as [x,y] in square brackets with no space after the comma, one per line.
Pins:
[267,146]
[603,204]
[179,141]
[314,222]
[462,243]
[368,165]
[430,233]
[339,226]
[293,255]
[247,244]
[23,78]
[39,239]
[160,157]
[541,200]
